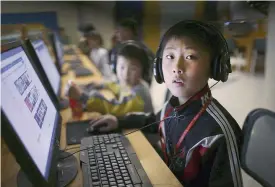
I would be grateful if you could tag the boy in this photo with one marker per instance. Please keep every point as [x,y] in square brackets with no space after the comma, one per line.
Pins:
[127,29]
[132,92]
[199,137]
[99,55]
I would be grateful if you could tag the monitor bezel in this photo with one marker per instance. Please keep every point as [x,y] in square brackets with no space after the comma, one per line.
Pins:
[58,62]
[16,146]
[28,42]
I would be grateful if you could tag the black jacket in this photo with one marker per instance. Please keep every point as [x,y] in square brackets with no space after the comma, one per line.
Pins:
[203,157]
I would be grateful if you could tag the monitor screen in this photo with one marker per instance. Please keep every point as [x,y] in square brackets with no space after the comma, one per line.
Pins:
[28,107]
[47,64]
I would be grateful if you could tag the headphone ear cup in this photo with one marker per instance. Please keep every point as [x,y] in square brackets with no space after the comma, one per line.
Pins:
[160,70]
[157,74]
[216,69]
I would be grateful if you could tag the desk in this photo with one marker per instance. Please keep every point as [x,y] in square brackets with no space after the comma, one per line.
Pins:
[157,171]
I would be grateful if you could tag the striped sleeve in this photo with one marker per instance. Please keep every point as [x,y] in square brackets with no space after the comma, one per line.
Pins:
[131,103]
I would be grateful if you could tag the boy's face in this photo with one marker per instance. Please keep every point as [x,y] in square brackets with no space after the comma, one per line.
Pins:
[124,34]
[93,43]
[129,71]
[185,66]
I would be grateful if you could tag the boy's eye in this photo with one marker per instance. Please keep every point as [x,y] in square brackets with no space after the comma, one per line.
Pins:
[170,57]
[190,57]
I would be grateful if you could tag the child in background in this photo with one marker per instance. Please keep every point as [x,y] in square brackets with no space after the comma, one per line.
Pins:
[200,140]
[132,92]
[99,55]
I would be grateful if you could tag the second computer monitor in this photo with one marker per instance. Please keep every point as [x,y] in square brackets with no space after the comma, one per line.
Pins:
[47,64]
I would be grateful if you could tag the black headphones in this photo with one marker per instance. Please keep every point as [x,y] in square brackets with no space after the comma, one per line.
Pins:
[220,65]
[146,65]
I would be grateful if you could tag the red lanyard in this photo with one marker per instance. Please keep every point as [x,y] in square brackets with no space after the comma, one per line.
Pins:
[190,125]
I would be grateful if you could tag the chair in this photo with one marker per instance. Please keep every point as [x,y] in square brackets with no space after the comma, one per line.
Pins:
[258,149]
[258,49]
[231,46]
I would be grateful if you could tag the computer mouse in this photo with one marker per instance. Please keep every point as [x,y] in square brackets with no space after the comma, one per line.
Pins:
[95,129]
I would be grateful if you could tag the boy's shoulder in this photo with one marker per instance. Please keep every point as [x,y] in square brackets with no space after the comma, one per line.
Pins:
[221,120]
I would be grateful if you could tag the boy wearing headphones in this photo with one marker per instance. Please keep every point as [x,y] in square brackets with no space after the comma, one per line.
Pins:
[199,138]
[131,91]
[127,29]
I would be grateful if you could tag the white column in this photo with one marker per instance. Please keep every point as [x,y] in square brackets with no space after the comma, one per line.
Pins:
[270,61]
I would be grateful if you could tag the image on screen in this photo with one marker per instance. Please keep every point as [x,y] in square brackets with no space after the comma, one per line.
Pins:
[47,64]
[28,107]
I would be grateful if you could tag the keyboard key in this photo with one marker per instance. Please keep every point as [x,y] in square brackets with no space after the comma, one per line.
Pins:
[125,174]
[116,170]
[129,185]
[119,178]
[112,180]
[124,171]
[103,175]
[115,167]
[121,185]
[104,183]
[128,182]
[126,178]
[92,163]
[112,183]
[104,179]
[93,167]
[127,162]
[110,172]
[138,185]
[95,179]
[111,176]
[96,183]
[93,171]
[105,186]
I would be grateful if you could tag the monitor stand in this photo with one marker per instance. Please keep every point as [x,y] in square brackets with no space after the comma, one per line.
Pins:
[67,170]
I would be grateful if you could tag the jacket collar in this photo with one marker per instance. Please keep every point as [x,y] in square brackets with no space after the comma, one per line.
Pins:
[193,103]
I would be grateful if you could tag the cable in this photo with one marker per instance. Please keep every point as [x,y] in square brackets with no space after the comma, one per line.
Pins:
[116,137]
[127,133]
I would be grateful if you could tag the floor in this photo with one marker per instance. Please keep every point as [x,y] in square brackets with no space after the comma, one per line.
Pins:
[239,95]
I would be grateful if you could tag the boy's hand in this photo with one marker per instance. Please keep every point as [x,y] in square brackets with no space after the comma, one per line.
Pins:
[104,123]
[75,92]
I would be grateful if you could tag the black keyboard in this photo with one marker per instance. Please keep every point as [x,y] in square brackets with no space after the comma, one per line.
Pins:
[113,163]
[81,71]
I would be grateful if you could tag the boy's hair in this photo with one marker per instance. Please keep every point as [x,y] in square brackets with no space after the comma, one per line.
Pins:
[129,24]
[198,35]
[131,51]
[94,35]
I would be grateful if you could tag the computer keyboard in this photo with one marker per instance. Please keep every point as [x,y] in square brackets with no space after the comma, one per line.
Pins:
[113,163]
[82,71]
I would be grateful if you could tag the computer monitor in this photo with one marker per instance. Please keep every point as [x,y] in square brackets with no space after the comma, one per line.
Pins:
[47,64]
[58,50]
[31,122]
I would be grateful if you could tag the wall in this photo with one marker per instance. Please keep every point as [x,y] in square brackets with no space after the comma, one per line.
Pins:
[100,14]
[172,13]
[66,13]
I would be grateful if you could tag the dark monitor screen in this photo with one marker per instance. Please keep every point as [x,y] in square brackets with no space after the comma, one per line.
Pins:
[28,108]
